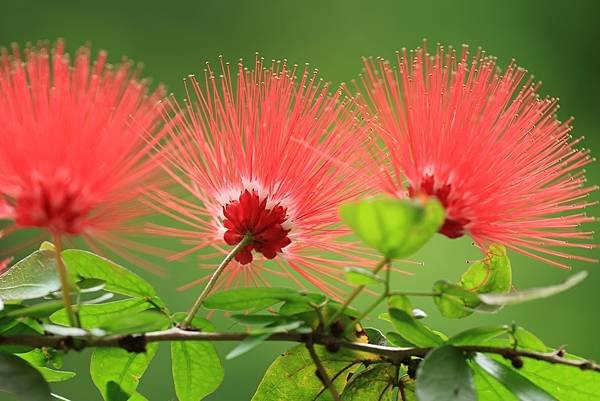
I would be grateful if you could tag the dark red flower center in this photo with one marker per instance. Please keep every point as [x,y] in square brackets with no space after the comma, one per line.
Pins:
[453,227]
[250,215]
[57,204]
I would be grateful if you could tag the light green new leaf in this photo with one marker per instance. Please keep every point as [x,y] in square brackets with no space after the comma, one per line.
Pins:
[96,315]
[412,330]
[533,293]
[21,380]
[292,376]
[38,360]
[493,274]
[445,375]
[396,228]
[517,384]
[478,335]
[117,279]
[196,367]
[375,383]
[141,322]
[117,372]
[31,278]
[361,276]
[255,298]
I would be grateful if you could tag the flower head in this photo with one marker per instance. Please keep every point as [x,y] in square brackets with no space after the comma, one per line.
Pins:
[493,152]
[74,143]
[272,158]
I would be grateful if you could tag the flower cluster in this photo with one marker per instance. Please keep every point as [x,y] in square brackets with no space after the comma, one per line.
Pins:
[267,154]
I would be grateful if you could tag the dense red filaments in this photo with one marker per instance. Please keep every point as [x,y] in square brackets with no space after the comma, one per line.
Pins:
[504,167]
[266,151]
[74,143]
[249,215]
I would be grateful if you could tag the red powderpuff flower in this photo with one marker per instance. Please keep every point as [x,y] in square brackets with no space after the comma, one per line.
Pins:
[506,170]
[274,158]
[73,144]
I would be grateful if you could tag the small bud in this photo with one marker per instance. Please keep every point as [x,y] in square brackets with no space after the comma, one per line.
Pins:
[517,362]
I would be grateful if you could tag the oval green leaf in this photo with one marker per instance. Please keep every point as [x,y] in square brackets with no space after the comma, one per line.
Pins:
[396,228]
[520,386]
[33,277]
[445,375]
[21,380]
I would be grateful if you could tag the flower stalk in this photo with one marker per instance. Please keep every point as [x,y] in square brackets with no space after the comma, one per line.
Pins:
[214,278]
[65,282]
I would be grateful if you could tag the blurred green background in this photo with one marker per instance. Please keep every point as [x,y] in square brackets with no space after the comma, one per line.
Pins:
[556,40]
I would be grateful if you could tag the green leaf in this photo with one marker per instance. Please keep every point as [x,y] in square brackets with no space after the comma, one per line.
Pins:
[39,310]
[360,276]
[117,372]
[520,386]
[117,279]
[292,376]
[259,319]
[196,366]
[453,301]
[533,293]
[21,380]
[563,382]
[375,336]
[445,375]
[375,383]
[401,302]
[38,359]
[412,330]
[31,278]
[137,397]
[527,340]
[478,335]
[396,228]
[247,344]
[136,323]
[255,298]
[96,315]
[493,274]
[397,340]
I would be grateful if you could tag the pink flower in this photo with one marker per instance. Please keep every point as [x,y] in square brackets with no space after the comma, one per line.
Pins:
[506,170]
[74,144]
[274,158]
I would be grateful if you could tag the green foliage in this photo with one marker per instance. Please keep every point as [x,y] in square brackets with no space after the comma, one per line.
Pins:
[445,375]
[533,293]
[21,380]
[376,383]
[196,367]
[520,386]
[292,376]
[396,228]
[447,372]
[491,275]
[116,278]
[251,298]
[117,372]
[413,331]
[33,277]
[360,276]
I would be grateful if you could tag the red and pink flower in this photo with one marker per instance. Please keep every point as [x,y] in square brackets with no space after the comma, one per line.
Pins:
[74,144]
[273,157]
[484,143]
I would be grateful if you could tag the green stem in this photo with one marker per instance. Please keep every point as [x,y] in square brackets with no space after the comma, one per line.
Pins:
[214,278]
[356,292]
[65,285]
